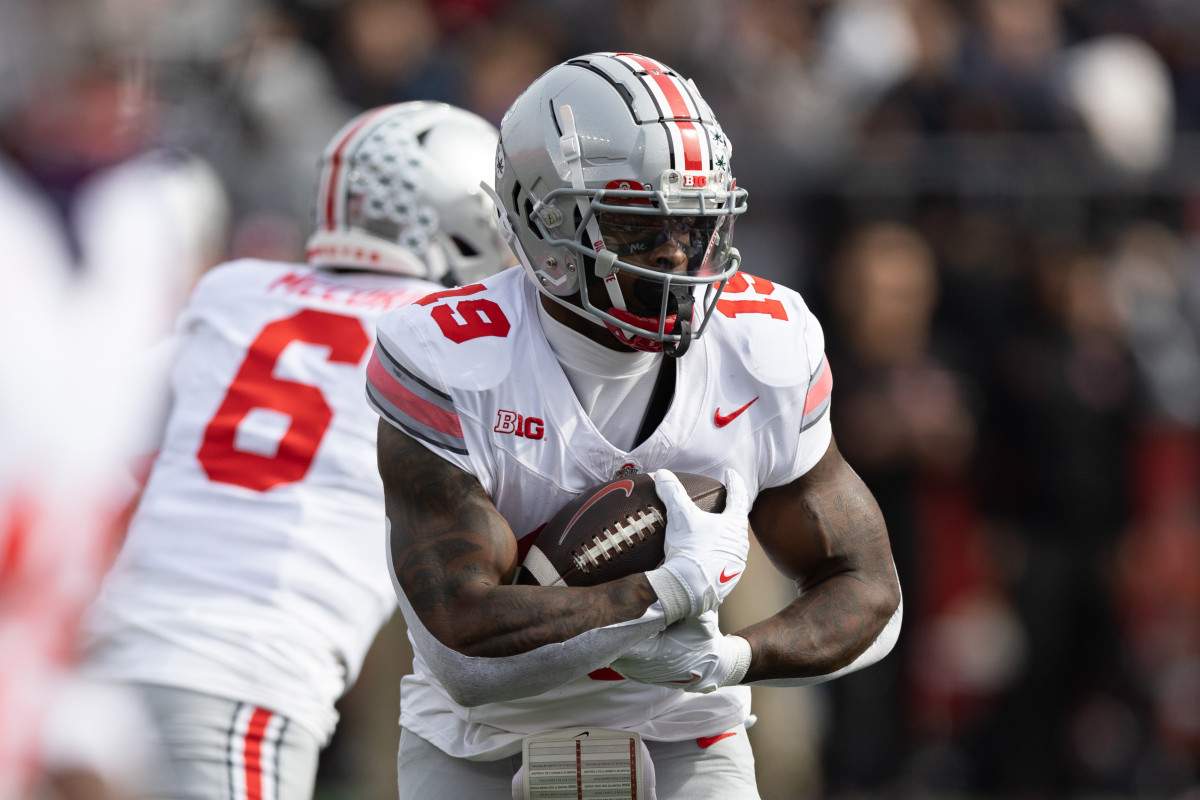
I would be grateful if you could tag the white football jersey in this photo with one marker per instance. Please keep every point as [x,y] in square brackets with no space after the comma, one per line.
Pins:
[470,374]
[252,569]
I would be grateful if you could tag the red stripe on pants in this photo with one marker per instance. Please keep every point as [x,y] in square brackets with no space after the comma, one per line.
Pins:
[253,753]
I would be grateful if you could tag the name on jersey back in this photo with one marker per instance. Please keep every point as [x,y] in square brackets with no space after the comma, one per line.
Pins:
[319,287]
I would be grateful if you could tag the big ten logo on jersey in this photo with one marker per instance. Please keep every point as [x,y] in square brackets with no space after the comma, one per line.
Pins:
[517,425]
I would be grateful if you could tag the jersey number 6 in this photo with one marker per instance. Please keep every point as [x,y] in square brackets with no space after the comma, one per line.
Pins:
[256,386]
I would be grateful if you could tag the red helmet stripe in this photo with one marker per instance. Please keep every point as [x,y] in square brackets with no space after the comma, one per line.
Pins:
[677,104]
[334,155]
[666,84]
[691,146]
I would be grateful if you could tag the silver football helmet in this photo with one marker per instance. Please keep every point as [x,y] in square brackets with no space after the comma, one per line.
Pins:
[604,161]
[399,191]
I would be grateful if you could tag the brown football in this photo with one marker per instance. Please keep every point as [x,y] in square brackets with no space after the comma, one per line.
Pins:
[609,531]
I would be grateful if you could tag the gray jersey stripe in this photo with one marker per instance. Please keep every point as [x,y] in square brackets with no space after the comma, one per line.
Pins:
[414,383]
[414,428]
[230,739]
[814,416]
[398,369]
[278,756]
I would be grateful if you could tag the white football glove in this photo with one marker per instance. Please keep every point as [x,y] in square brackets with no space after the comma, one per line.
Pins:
[691,655]
[705,552]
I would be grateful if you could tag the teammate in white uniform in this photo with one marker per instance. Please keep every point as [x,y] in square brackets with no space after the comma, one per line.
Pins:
[250,585]
[96,260]
[614,350]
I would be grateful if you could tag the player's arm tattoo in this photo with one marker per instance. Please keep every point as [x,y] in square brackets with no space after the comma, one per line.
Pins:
[824,531]
[455,557]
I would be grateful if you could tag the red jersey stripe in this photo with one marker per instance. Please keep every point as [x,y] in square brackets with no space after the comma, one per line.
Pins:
[820,388]
[416,407]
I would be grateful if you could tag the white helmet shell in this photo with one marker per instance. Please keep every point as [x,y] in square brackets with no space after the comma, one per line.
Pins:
[399,191]
[612,132]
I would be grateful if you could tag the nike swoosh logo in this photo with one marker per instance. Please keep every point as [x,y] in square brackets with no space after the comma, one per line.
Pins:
[620,486]
[721,420]
[692,679]
[584,734]
[709,741]
[727,578]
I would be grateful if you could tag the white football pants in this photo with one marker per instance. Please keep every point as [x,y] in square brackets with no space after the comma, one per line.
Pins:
[221,749]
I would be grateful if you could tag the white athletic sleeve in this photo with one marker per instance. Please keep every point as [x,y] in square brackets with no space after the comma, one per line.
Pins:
[473,680]
[879,648]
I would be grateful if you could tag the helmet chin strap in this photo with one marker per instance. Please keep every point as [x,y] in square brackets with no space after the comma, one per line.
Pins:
[680,300]
[674,306]
[674,299]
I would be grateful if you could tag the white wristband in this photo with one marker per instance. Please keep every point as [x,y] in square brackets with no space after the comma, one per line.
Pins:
[742,664]
[672,593]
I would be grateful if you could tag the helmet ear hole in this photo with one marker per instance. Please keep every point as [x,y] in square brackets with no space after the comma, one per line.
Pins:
[463,246]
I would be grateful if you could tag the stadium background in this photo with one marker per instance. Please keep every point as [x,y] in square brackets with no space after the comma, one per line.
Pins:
[993,206]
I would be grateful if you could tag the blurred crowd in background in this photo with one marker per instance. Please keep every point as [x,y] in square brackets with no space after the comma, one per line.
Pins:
[994,208]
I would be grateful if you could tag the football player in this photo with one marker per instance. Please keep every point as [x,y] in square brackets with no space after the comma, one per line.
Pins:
[629,341]
[250,585]
[101,232]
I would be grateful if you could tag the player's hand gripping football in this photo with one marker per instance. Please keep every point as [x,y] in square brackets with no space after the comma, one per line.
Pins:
[691,655]
[705,553]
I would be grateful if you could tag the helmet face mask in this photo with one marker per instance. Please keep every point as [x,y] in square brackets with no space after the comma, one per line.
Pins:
[602,162]
[399,192]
